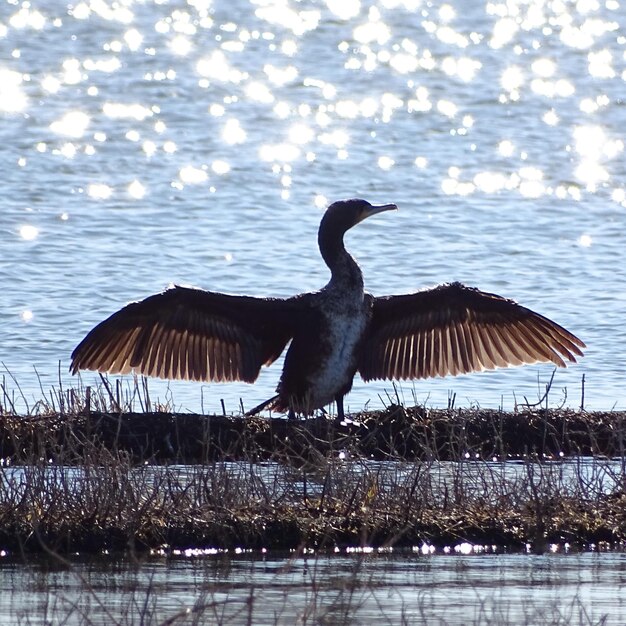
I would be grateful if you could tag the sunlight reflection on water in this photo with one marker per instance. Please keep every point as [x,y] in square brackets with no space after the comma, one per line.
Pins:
[358,586]
[199,143]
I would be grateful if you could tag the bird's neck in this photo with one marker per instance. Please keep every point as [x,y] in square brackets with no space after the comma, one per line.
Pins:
[345,273]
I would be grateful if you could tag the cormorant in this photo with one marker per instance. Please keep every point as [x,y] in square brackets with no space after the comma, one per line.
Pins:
[192,334]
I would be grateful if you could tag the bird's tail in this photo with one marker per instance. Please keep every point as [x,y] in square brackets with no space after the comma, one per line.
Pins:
[260,407]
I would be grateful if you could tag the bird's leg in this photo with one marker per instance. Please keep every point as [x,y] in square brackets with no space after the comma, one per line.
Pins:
[340,415]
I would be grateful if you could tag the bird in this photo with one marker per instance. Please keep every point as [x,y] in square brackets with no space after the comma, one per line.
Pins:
[192,334]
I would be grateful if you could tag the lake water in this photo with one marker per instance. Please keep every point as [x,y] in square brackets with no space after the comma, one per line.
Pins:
[149,142]
[407,587]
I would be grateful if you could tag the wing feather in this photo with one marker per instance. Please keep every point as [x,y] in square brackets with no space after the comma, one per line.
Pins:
[191,334]
[453,329]
[467,346]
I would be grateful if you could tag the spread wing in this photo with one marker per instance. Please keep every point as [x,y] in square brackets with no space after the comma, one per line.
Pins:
[190,334]
[453,329]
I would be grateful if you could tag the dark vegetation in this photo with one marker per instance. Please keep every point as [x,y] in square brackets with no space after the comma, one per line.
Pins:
[396,433]
[83,473]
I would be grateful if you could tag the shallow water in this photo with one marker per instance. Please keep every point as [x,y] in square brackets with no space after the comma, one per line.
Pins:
[554,588]
[144,143]
[580,477]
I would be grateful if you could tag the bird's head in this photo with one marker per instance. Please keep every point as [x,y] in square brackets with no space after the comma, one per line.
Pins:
[344,214]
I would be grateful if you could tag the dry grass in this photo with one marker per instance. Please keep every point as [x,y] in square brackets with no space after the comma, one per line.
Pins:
[80,474]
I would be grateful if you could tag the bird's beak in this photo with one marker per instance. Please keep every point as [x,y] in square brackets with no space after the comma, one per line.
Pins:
[377,208]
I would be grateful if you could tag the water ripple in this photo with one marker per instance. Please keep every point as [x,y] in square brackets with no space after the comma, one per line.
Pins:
[147,143]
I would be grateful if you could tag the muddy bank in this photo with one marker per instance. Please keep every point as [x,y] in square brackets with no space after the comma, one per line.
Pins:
[411,434]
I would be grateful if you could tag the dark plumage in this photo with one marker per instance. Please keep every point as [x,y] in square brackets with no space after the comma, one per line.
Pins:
[200,335]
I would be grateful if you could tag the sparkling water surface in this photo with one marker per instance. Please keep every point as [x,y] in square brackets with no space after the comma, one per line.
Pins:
[401,587]
[198,142]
